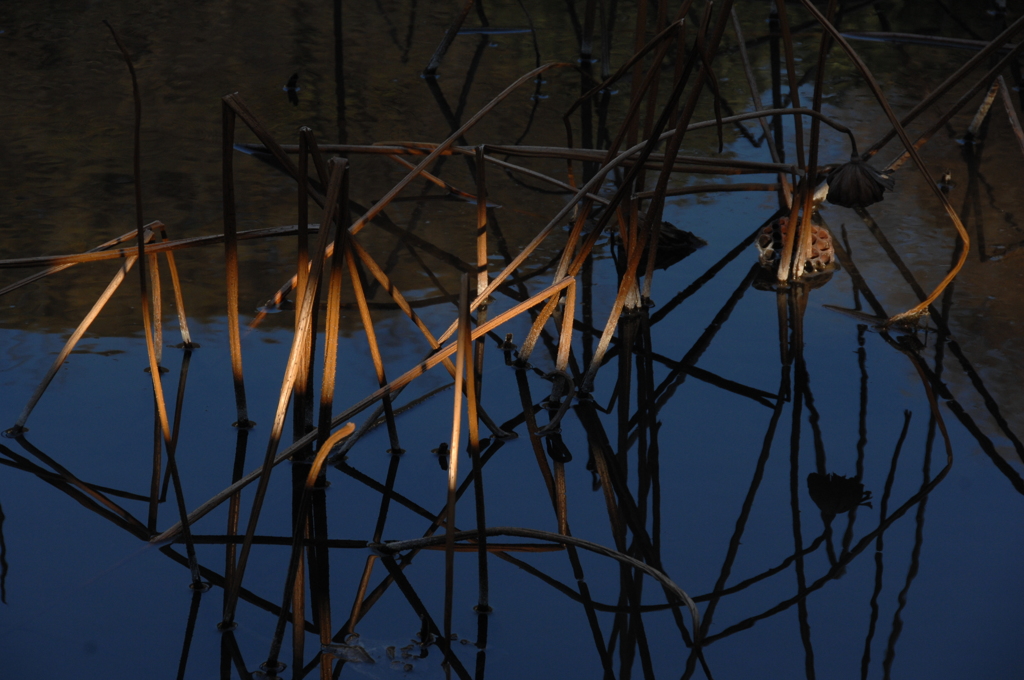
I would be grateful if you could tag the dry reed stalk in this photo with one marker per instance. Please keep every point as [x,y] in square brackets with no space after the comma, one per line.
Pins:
[333,322]
[481,276]
[786,190]
[711,188]
[536,328]
[627,285]
[436,521]
[966,97]
[1011,113]
[158,309]
[357,603]
[993,46]
[396,294]
[651,111]
[464,350]
[69,345]
[565,338]
[653,221]
[804,236]
[403,304]
[800,192]
[147,322]
[452,139]
[21,463]
[473,385]
[922,308]
[698,164]
[601,460]
[982,113]
[391,388]
[121,253]
[371,339]
[54,269]
[655,161]
[641,81]
[922,39]
[302,410]
[301,526]
[231,261]
[179,407]
[179,298]
[791,111]
[544,178]
[794,85]
[628,129]
[436,181]
[291,370]
[481,219]
[561,499]
[141,236]
[242,110]
[447,39]
[316,152]
[514,264]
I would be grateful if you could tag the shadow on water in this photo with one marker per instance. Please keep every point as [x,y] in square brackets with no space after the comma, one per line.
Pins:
[527,328]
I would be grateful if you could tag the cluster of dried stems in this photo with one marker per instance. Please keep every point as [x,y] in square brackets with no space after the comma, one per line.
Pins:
[642,158]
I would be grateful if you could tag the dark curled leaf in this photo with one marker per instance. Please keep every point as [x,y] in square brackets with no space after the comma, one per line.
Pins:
[857,184]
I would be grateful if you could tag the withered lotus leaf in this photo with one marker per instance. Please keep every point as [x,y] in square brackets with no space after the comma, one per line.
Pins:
[857,185]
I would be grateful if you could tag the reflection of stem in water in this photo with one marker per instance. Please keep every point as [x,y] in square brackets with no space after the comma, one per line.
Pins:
[676,377]
[123,518]
[179,404]
[464,351]
[940,321]
[190,627]
[647,448]
[216,579]
[798,304]
[577,567]
[860,546]
[915,561]
[862,428]
[231,655]
[3,559]
[443,641]
[748,504]
[883,509]
[234,505]
[627,337]
[626,508]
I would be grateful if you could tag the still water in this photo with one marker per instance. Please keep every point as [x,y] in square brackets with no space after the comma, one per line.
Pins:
[709,481]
